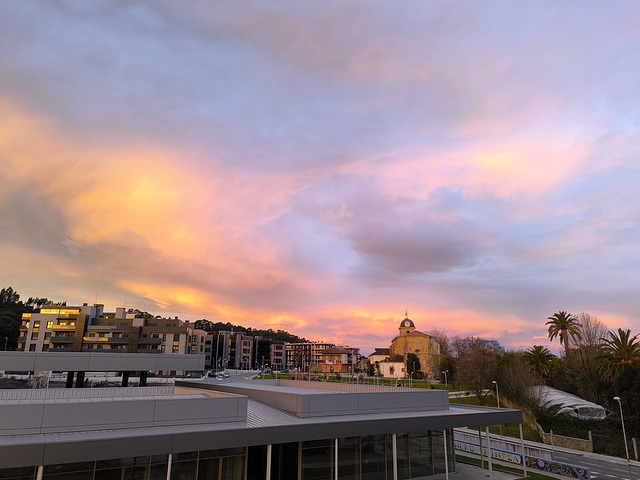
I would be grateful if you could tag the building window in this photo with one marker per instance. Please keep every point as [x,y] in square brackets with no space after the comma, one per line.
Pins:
[34,335]
[175,349]
[32,348]
[176,337]
[47,335]
[50,324]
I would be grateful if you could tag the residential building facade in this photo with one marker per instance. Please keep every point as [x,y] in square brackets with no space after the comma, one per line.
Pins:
[89,328]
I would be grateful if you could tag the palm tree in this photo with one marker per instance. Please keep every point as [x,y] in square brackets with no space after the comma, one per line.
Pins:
[563,325]
[539,358]
[619,351]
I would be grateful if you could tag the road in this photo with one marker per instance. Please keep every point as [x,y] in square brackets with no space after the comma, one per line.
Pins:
[600,466]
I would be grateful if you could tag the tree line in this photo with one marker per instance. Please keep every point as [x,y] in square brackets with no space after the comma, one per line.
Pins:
[11,310]
[270,334]
[596,363]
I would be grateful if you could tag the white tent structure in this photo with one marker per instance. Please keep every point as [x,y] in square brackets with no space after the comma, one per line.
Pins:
[569,404]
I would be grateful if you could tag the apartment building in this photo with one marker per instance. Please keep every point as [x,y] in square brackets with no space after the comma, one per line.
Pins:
[270,353]
[89,328]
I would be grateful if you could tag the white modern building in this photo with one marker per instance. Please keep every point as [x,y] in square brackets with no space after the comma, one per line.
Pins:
[249,430]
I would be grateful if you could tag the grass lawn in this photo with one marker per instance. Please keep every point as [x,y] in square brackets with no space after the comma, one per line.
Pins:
[508,430]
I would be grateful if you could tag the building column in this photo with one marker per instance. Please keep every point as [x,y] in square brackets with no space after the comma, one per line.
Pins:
[70,376]
[446,460]
[486,429]
[169,462]
[143,378]
[268,475]
[125,379]
[524,454]
[80,380]
[395,455]
[335,442]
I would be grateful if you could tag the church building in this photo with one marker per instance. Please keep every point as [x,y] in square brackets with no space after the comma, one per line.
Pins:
[424,346]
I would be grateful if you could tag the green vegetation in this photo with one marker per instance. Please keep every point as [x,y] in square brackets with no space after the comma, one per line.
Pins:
[596,364]
[270,334]
[11,310]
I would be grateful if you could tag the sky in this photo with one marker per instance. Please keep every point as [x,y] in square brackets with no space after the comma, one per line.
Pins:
[325,167]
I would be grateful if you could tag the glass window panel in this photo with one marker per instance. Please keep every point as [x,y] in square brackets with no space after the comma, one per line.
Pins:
[377,457]
[178,457]
[349,458]
[208,469]
[317,460]
[420,454]
[159,459]
[158,471]
[437,445]
[184,470]
[232,468]
[136,473]
[402,449]
[114,462]
[109,474]
[69,467]
[19,473]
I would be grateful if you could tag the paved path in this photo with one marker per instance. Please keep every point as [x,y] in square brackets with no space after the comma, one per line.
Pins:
[470,472]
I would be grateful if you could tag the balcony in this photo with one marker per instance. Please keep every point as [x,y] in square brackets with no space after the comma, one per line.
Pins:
[118,340]
[63,328]
[149,341]
[61,339]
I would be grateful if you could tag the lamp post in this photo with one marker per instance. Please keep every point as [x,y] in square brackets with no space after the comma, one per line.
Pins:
[624,434]
[446,385]
[498,397]
[6,339]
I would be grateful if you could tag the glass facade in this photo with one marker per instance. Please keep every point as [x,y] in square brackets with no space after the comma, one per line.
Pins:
[419,455]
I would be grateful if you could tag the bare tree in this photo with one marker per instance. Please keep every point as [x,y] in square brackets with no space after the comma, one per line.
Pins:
[442,339]
[592,331]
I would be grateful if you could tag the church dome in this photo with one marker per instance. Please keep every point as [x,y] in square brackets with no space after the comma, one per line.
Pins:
[407,323]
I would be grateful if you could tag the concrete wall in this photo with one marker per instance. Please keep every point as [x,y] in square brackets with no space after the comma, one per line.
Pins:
[70,412]
[326,398]
[98,361]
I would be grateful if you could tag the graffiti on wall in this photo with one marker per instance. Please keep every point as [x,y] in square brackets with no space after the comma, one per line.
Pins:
[551,466]
[541,464]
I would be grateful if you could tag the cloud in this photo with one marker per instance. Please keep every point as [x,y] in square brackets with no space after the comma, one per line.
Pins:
[322,168]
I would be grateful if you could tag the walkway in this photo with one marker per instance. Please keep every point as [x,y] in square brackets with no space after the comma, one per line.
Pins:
[470,472]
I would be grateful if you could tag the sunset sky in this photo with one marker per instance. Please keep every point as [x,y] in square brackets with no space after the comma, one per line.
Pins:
[320,167]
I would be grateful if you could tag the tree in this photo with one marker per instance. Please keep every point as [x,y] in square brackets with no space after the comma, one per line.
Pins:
[619,351]
[592,331]
[476,370]
[413,365]
[516,378]
[538,358]
[9,297]
[462,346]
[441,339]
[564,326]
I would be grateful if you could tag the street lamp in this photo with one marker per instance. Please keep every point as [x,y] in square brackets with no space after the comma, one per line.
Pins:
[498,397]
[6,339]
[446,385]
[624,434]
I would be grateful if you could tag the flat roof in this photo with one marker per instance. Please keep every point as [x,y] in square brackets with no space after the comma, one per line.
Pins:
[265,422]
